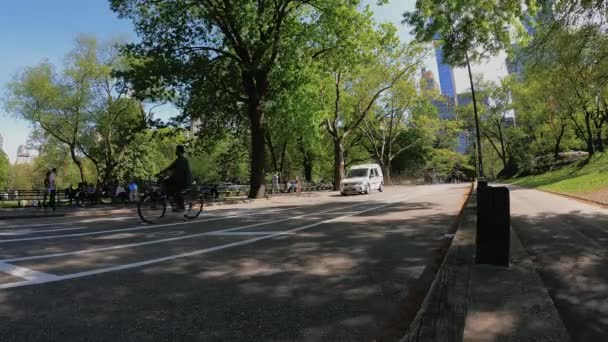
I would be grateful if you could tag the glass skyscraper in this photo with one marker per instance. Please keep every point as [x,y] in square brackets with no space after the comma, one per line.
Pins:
[446,74]
[447,82]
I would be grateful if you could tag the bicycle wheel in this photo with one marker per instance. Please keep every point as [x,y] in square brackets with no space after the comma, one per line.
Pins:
[152,207]
[193,205]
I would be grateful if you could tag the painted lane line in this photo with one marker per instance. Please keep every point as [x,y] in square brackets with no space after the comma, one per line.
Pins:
[26,273]
[183,255]
[27,232]
[65,223]
[241,233]
[181,237]
[34,225]
[144,227]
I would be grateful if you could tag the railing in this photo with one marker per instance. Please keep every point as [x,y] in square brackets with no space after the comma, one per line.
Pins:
[40,198]
[36,198]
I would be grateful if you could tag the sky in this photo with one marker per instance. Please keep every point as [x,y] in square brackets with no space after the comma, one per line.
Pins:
[32,31]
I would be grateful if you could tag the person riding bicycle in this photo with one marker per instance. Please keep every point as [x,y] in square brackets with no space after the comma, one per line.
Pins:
[179,179]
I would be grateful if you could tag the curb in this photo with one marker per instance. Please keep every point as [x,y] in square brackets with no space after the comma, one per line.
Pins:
[439,316]
[576,198]
[411,305]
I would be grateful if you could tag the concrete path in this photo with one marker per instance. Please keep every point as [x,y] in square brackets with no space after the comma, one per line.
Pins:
[313,267]
[568,242]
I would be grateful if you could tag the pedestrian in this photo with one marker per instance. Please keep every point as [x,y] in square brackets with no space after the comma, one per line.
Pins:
[275,182]
[52,188]
[297,185]
[80,195]
[90,192]
[69,193]
[45,188]
[120,194]
[133,195]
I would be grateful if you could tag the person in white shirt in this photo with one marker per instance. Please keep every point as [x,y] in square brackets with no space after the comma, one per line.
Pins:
[275,182]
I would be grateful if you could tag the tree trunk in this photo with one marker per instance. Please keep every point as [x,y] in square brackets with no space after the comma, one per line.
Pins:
[558,140]
[479,159]
[338,163]
[308,168]
[282,164]
[256,178]
[387,172]
[590,147]
[77,161]
[273,157]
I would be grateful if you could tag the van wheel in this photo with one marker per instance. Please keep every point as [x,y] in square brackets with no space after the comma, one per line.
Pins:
[381,188]
[343,194]
[366,191]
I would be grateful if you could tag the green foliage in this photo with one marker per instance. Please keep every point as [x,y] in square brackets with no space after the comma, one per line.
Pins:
[21,176]
[84,107]
[4,170]
[443,163]
[469,29]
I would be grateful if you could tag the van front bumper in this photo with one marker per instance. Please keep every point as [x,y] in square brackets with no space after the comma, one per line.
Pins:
[353,188]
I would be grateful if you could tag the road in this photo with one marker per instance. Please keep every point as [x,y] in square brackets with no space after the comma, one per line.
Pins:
[568,241]
[313,267]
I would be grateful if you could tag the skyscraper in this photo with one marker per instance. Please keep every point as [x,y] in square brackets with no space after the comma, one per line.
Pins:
[446,72]
[428,81]
[24,155]
[447,82]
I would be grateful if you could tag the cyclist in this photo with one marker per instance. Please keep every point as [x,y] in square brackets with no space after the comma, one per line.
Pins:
[180,177]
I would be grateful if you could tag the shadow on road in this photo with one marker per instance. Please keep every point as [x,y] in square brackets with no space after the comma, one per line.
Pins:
[339,281]
[570,254]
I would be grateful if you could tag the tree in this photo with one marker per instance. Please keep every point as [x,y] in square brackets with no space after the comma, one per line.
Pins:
[469,31]
[361,77]
[494,118]
[241,44]
[543,113]
[4,170]
[391,119]
[578,68]
[115,120]
[83,107]
[57,103]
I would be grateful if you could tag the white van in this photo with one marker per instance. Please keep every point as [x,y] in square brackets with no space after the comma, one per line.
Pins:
[362,179]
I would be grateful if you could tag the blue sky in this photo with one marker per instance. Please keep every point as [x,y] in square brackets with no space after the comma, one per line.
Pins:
[32,31]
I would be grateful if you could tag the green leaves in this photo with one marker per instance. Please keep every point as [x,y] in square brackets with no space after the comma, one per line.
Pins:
[478,28]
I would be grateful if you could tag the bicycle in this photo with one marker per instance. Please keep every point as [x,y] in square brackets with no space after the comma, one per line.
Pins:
[153,205]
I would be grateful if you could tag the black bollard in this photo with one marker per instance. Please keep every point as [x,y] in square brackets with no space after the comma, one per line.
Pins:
[493,226]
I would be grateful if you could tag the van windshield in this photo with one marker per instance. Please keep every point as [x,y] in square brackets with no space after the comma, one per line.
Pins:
[357,173]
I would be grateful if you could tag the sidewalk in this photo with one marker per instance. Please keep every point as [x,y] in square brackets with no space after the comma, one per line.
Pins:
[475,303]
[101,210]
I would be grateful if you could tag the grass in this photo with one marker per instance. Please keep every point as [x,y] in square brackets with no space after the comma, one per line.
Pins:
[573,179]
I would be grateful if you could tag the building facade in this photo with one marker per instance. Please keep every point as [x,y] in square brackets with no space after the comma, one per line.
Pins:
[24,155]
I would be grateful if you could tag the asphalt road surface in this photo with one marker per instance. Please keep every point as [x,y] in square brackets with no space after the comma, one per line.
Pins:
[568,241]
[312,267]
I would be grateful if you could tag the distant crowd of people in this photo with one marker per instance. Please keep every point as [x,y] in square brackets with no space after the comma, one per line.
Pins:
[87,192]
[286,184]
[93,193]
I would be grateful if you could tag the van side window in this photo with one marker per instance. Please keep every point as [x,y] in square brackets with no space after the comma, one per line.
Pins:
[373,173]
